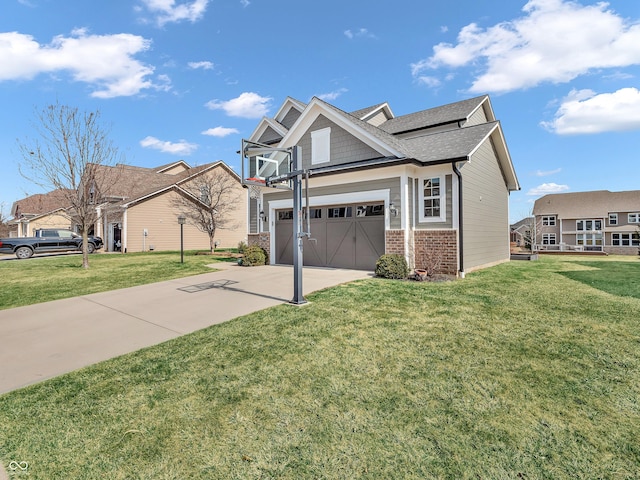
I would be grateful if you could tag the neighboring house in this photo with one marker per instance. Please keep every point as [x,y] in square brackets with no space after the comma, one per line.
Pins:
[42,210]
[522,233]
[432,185]
[598,221]
[137,211]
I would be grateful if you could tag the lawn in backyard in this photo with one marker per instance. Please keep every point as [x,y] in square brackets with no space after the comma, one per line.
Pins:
[41,279]
[524,370]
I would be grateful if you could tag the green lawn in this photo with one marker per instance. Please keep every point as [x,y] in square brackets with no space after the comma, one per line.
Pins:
[528,370]
[41,279]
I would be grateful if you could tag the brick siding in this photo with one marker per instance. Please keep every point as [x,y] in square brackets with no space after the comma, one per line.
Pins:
[436,247]
[394,242]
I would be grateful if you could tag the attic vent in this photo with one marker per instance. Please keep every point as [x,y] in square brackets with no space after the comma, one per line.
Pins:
[321,146]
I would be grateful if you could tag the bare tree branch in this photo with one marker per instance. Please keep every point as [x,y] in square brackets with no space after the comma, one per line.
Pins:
[208,200]
[65,155]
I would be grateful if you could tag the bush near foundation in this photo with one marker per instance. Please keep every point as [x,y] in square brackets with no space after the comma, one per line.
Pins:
[392,266]
[254,256]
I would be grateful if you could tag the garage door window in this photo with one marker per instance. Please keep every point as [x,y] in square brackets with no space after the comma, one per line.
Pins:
[314,213]
[339,212]
[285,215]
[369,210]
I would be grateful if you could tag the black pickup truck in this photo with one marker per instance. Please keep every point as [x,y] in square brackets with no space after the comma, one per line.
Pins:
[47,240]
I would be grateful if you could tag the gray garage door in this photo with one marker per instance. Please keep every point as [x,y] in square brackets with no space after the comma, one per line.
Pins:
[343,236]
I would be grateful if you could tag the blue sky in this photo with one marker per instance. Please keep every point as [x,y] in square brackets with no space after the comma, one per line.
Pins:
[188,79]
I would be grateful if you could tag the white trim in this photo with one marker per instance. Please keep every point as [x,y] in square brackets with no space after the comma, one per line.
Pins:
[322,200]
[124,233]
[442,176]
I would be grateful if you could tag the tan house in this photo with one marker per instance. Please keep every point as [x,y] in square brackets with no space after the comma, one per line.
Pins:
[138,210]
[431,185]
[42,210]
[598,221]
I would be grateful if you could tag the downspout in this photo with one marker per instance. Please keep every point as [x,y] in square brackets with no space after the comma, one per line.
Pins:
[460,222]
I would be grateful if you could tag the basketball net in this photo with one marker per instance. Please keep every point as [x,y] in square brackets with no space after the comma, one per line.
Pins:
[254,191]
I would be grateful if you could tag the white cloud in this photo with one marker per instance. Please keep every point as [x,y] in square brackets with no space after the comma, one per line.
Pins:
[167,11]
[180,148]
[220,132]
[359,33]
[546,188]
[555,41]
[431,82]
[247,105]
[327,97]
[585,112]
[203,65]
[245,3]
[541,173]
[104,61]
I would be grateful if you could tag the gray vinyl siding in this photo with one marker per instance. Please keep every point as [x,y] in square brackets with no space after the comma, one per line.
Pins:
[269,135]
[485,209]
[477,118]
[344,147]
[290,118]
[392,184]
[448,223]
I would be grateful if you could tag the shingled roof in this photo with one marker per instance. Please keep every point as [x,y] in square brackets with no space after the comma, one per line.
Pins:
[594,204]
[453,112]
[40,203]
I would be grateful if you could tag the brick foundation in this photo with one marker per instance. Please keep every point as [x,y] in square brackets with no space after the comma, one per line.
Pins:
[436,250]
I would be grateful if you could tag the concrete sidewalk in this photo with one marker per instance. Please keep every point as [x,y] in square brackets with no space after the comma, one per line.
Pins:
[45,340]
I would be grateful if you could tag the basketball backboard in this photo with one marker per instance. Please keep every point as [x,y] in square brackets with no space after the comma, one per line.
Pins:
[265,165]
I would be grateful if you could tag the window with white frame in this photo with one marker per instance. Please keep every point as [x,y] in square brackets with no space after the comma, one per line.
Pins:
[432,199]
[321,145]
[549,220]
[634,217]
[613,219]
[548,238]
[588,225]
[625,239]
[589,239]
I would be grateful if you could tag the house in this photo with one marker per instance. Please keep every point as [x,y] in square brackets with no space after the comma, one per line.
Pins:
[42,210]
[521,235]
[597,221]
[137,208]
[432,185]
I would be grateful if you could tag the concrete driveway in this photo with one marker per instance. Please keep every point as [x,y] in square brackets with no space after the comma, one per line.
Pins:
[45,340]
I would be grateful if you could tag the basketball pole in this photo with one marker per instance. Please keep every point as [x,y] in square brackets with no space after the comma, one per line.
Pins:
[298,297]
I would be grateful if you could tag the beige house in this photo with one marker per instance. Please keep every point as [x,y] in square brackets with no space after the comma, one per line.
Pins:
[431,185]
[42,210]
[138,209]
[598,221]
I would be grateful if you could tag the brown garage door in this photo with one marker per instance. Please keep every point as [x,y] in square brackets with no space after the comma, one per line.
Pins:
[342,236]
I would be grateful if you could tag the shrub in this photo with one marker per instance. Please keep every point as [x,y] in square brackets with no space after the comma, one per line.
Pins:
[254,256]
[241,247]
[392,266]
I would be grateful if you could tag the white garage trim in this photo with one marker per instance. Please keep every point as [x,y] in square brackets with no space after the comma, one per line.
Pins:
[321,200]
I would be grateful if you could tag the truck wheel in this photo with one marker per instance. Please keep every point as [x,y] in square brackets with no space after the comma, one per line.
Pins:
[91,247]
[24,252]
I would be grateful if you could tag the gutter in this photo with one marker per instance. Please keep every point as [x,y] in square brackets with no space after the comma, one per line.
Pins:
[460,222]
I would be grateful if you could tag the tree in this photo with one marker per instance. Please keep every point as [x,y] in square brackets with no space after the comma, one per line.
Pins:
[208,201]
[66,154]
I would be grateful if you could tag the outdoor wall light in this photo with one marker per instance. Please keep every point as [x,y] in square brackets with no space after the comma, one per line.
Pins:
[263,216]
[393,210]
